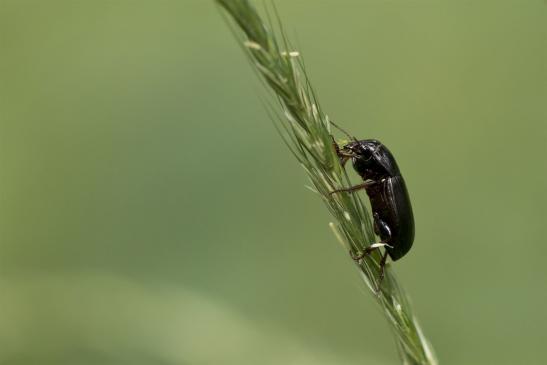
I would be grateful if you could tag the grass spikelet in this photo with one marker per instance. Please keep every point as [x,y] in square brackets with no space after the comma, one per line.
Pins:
[305,129]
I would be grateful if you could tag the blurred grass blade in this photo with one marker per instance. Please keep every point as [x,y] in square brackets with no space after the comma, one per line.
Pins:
[306,131]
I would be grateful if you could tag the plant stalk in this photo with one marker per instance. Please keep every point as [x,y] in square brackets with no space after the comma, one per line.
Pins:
[306,130]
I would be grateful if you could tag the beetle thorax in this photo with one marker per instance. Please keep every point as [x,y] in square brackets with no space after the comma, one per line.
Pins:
[368,169]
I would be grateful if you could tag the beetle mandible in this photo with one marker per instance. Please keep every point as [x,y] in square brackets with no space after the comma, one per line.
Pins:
[386,189]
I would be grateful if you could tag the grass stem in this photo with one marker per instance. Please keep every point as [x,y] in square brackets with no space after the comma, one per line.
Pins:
[306,130]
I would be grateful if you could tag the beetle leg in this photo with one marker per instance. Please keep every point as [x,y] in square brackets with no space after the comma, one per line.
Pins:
[367,251]
[375,226]
[343,157]
[335,145]
[343,160]
[382,271]
[354,188]
[381,228]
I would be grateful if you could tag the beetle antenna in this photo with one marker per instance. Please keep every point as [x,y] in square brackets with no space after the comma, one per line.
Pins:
[343,131]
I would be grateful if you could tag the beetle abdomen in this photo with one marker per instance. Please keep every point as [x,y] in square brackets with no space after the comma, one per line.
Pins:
[390,201]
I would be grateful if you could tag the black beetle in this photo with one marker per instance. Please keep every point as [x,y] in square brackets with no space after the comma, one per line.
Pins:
[386,189]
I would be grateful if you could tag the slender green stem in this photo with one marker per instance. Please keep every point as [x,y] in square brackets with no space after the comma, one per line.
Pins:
[305,128]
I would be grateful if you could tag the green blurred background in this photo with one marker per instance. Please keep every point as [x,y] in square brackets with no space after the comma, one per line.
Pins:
[149,213]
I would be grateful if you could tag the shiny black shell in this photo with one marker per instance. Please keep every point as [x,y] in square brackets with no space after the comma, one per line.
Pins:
[389,199]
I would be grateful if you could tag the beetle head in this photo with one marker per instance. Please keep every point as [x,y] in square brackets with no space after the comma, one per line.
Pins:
[364,150]
[371,159]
